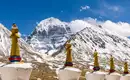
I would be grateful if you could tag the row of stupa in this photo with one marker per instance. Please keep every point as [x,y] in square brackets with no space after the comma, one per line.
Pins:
[16,70]
[97,74]
[112,65]
[71,73]
[68,72]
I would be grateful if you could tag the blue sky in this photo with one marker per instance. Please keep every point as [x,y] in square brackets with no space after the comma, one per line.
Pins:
[25,13]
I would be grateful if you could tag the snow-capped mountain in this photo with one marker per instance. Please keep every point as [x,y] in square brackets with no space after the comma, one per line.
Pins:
[51,32]
[49,35]
[27,52]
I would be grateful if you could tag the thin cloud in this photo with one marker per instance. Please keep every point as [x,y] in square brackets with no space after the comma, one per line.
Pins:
[108,11]
[84,8]
[115,8]
[100,17]
[121,28]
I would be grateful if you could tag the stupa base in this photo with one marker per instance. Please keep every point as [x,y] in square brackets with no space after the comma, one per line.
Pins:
[14,58]
[98,75]
[68,64]
[113,76]
[96,68]
[16,71]
[69,73]
[112,71]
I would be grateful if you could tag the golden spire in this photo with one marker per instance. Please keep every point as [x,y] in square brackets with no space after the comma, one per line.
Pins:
[112,65]
[68,55]
[126,67]
[96,63]
[15,52]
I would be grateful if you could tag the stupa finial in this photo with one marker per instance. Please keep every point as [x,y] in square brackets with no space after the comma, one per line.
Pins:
[68,55]
[96,63]
[112,65]
[15,52]
[126,67]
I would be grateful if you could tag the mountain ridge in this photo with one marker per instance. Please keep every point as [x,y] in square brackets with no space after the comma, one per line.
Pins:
[89,38]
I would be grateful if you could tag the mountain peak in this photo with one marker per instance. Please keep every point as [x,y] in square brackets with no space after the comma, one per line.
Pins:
[50,20]
[49,23]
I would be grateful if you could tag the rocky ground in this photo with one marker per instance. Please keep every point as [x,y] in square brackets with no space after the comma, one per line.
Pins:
[42,71]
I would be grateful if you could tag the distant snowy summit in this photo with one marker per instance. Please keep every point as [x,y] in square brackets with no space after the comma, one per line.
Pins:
[49,35]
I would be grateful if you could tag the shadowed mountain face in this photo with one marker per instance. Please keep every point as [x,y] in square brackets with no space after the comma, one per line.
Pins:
[49,35]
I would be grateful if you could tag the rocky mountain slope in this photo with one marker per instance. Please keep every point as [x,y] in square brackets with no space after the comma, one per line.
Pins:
[27,52]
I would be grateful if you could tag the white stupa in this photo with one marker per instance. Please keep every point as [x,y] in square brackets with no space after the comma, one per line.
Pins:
[112,74]
[126,75]
[96,74]
[16,70]
[68,72]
